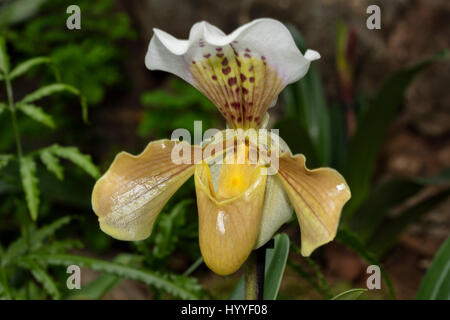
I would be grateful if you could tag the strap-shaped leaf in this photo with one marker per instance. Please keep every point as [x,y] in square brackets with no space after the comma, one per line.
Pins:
[360,160]
[385,196]
[436,283]
[52,164]
[390,229]
[352,294]
[276,259]
[29,184]
[36,113]
[74,155]
[179,286]
[23,67]
[41,276]
[308,105]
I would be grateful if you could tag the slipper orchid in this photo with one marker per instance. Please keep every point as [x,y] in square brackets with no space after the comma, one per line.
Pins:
[240,205]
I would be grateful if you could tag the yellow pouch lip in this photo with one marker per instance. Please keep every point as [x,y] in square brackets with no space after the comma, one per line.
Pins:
[209,190]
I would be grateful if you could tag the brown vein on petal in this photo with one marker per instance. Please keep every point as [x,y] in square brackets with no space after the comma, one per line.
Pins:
[307,188]
[305,202]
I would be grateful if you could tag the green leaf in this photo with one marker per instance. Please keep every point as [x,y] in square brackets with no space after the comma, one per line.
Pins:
[60,246]
[352,294]
[387,233]
[320,286]
[97,288]
[197,263]
[162,98]
[338,135]
[4,59]
[41,276]
[276,259]
[318,280]
[5,159]
[354,243]
[49,90]
[36,113]
[360,161]
[29,184]
[185,288]
[3,106]
[4,284]
[19,246]
[55,88]
[239,290]
[311,107]
[23,67]
[274,272]
[384,198]
[436,283]
[52,164]
[13,12]
[168,224]
[101,285]
[74,155]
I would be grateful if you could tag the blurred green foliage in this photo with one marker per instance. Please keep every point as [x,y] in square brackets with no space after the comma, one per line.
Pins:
[89,58]
[179,98]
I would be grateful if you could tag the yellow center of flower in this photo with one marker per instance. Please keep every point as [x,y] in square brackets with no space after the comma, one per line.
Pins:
[233,180]
[236,174]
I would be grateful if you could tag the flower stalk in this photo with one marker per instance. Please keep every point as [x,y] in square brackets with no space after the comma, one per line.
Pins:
[255,267]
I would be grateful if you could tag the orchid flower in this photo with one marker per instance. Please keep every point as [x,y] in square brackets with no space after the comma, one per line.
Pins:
[240,205]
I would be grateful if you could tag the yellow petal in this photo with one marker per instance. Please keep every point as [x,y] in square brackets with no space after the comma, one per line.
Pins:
[228,228]
[129,196]
[317,196]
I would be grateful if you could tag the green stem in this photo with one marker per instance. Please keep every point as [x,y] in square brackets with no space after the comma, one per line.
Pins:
[12,109]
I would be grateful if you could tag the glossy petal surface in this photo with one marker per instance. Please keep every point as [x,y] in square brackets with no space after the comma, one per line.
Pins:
[130,195]
[228,228]
[317,196]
